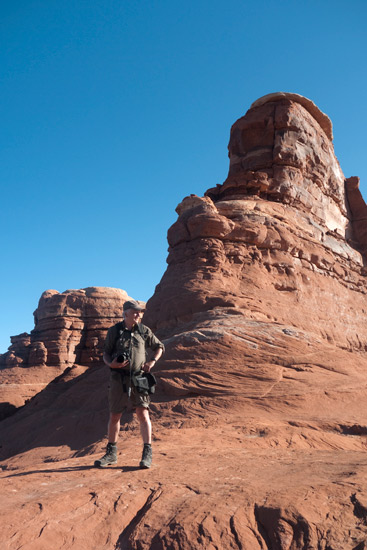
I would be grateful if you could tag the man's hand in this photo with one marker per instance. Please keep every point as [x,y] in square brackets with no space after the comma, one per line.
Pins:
[112,363]
[116,365]
[147,367]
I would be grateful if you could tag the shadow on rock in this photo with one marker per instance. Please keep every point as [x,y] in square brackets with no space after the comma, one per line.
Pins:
[68,412]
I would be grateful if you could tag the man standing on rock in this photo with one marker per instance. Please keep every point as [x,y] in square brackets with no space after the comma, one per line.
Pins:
[125,354]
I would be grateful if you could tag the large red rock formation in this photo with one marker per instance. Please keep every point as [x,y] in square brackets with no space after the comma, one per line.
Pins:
[275,233]
[259,423]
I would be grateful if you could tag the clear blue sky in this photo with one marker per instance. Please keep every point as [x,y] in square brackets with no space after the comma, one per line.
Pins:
[112,111]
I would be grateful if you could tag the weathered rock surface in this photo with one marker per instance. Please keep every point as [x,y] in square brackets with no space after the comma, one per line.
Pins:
[259,424]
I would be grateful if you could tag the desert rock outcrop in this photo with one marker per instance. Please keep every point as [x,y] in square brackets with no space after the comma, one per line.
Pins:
[259,421]
[276,232]
[70,328]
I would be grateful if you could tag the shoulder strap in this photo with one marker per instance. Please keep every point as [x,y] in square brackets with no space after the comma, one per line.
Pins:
[117,328]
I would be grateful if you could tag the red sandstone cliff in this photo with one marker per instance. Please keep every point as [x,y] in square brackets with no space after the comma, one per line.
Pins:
[260,429]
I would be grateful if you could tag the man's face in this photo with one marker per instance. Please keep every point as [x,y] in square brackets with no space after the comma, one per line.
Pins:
[133,316]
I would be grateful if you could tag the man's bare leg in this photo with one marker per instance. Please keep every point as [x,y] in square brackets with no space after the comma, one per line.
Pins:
[114,427]
[145,424]
[146,433]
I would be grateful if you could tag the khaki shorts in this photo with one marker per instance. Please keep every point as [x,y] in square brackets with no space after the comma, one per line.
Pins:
[118,399]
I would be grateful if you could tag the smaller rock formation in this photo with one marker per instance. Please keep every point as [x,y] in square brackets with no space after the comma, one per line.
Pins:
[70,328]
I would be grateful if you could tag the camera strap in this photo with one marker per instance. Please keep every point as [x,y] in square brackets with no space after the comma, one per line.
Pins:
[130,367]
[119,332]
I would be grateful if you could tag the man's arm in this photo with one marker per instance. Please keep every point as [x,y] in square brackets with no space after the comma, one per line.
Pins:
[158,349]
[150,364]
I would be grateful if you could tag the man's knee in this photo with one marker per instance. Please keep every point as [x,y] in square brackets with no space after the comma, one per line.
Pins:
[143,414]
[115,418]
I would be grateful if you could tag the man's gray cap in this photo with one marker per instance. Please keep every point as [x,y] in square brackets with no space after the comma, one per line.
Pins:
[132,304]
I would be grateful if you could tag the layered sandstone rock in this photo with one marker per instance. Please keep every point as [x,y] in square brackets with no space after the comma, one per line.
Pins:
[70,327]
[278,241]
[259,420]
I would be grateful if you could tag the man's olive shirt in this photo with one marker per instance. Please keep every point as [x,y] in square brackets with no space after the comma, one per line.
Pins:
[135,342]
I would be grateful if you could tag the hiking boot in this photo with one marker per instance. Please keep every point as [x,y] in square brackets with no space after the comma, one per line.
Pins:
[146,459]
[109,458]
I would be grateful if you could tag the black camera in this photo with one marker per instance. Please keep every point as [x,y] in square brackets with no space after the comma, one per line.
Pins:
[124,356]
